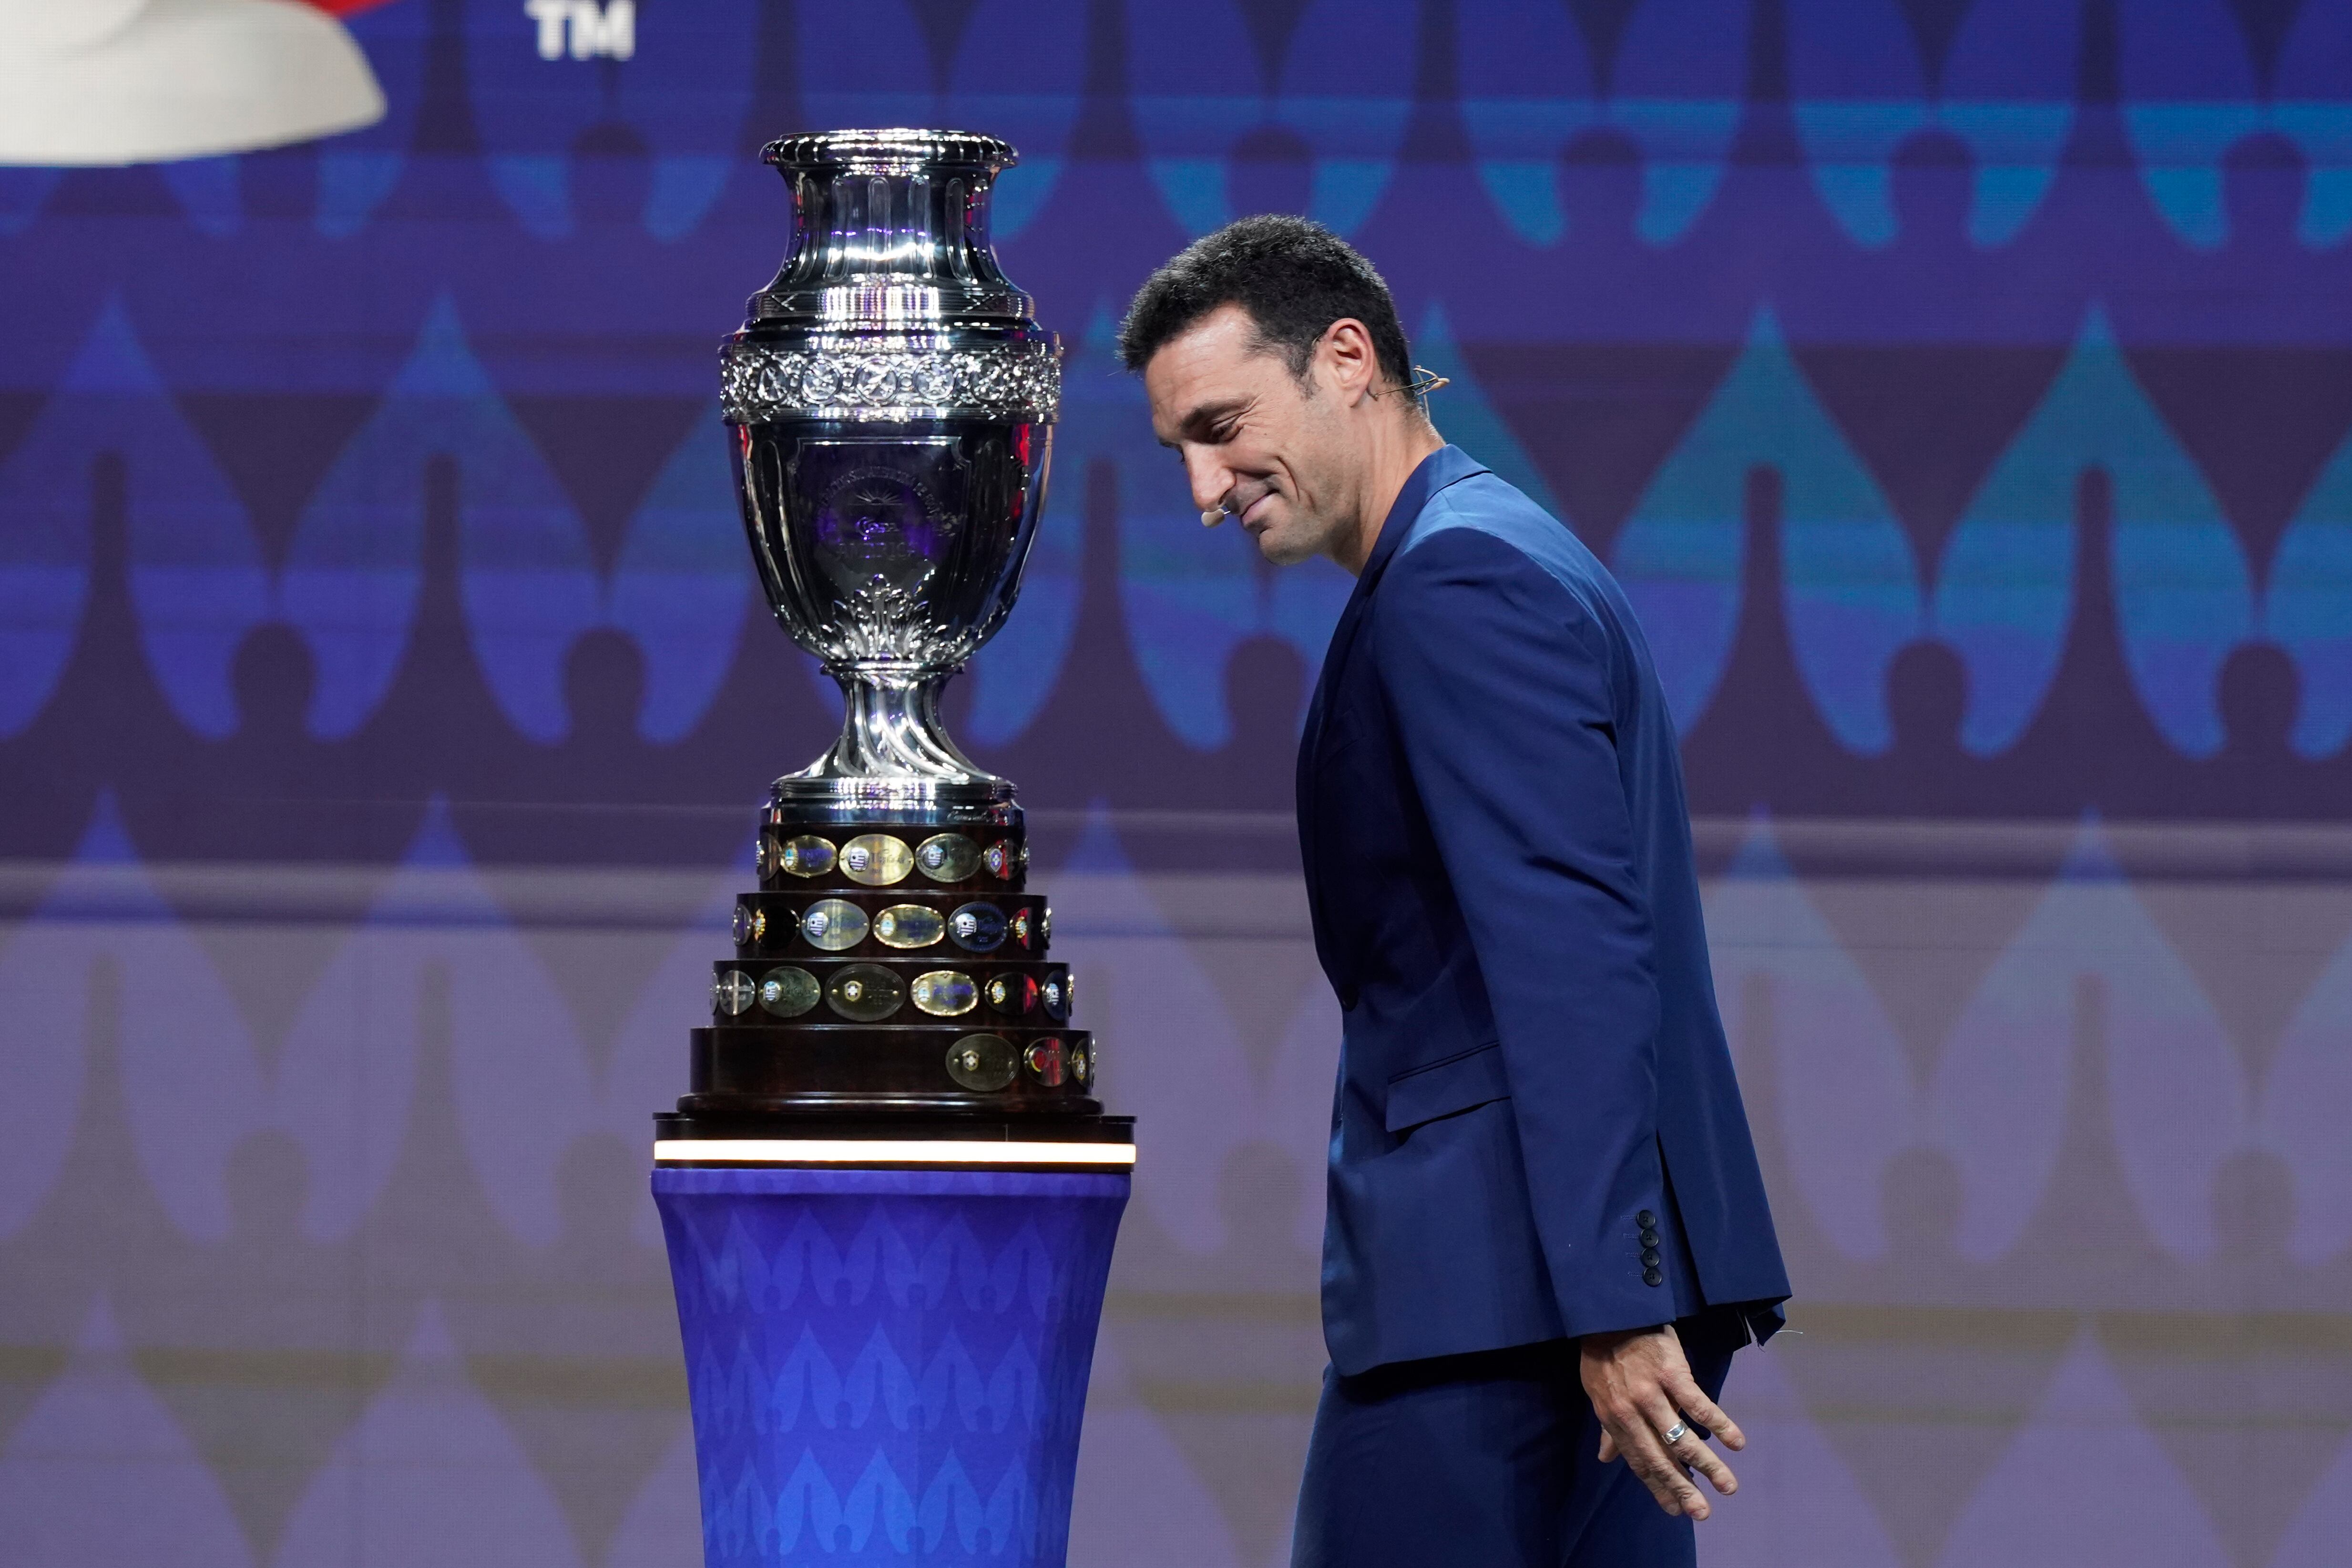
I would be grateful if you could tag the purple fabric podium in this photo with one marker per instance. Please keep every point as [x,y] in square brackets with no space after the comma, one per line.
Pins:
[888,1356]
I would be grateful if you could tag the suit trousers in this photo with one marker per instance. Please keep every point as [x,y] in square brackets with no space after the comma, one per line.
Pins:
[1485,1460]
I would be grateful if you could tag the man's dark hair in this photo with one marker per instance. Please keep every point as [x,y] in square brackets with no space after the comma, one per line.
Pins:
[1295,278]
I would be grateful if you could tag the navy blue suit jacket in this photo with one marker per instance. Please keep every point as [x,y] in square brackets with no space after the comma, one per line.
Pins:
[1498,859]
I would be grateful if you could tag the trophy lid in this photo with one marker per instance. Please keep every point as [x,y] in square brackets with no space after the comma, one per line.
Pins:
[889,233]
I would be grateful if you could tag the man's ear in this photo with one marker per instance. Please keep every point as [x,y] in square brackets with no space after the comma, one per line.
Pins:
[1350,359]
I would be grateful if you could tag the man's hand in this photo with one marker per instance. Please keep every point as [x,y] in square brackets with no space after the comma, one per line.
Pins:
[1641,1388]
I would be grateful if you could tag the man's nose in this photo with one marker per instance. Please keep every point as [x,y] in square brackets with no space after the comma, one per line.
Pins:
[1212,480]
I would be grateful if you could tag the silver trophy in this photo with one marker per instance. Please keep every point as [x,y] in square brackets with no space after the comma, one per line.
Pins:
[891,401]
[890,1009]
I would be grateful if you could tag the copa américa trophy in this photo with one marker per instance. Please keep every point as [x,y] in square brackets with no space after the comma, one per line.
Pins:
[890,1164]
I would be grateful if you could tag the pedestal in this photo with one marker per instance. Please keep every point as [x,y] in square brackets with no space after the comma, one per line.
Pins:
[888,1344]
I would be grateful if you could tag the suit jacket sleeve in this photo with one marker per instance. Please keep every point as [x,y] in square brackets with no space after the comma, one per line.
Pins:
[1502,687]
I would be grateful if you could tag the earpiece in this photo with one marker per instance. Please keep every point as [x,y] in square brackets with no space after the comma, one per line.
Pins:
[1424,382]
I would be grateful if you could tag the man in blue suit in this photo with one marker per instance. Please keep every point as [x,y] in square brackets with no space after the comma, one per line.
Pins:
[1547,1230]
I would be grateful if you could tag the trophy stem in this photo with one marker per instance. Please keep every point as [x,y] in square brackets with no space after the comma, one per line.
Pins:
[891,729]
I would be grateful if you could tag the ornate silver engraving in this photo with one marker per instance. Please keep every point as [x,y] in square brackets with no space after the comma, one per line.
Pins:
[889,621]
[762,382]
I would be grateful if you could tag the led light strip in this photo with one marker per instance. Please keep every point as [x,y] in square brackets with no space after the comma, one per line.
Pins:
[885,1151]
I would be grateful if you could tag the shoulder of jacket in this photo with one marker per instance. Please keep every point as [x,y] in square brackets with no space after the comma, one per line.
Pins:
[1476,531]
[1494,535]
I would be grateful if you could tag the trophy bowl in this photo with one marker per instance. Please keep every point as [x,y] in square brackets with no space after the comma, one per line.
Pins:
[890,401]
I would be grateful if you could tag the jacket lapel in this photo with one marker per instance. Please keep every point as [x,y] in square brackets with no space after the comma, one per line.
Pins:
[1439,470]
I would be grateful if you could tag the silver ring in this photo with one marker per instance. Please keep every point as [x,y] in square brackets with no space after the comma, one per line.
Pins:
[1673,1434]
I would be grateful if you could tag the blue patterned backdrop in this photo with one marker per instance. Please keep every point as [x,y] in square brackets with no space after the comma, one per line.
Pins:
[1948,382]
[1962,388]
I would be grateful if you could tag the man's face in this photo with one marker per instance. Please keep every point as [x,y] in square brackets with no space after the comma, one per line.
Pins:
[1253,440]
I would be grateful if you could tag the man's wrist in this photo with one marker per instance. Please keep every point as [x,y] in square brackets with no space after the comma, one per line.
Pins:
[1604,1340]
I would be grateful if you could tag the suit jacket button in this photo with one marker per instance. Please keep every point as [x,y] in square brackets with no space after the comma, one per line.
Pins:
[1651,1277]
[1645,1219]
[1649,1258]
[1649,1238]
